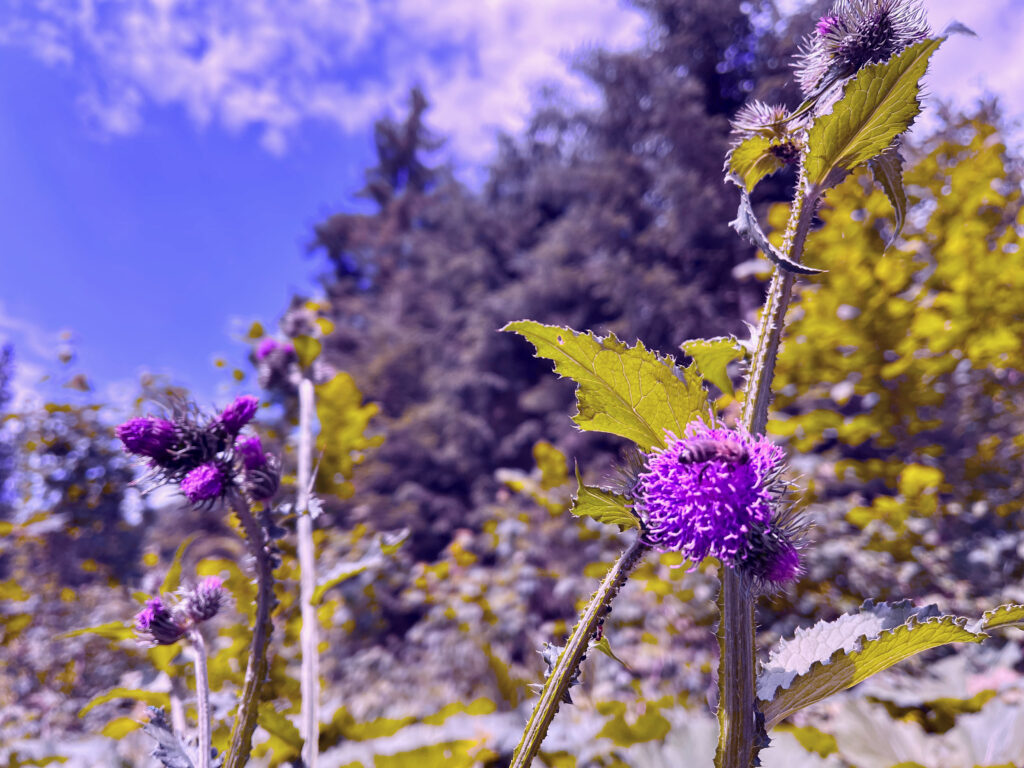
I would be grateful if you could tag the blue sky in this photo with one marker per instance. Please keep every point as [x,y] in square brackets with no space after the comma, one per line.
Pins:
[164,161]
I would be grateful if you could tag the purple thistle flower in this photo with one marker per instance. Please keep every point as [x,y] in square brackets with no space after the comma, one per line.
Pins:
[251,450]
[203,483]
[856,33]
[704,502]
[156,625]
[266,347]
[206,600]
[148,436]
[239,413]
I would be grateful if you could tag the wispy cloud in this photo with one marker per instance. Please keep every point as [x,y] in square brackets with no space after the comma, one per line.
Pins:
[272,65]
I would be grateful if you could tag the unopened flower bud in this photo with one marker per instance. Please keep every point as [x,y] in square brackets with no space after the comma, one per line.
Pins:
[157,625]
[206,600]
[148,436]
[239,413]
[203,483]
[251,450]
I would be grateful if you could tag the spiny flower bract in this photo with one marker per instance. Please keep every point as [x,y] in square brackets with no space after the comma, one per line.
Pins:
[239,413]
[855,33]
[206,600]
[148,436]
[204,483]
[724,504]
[157,625]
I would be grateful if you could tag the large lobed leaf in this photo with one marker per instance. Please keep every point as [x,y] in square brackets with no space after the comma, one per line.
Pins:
[835,655]
[877,105]
[622,390]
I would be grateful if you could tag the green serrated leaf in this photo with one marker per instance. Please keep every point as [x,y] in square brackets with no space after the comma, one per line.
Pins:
[625,391]
[602,506]
[887,169]
[307,349]
[1009,615]
[152,698]
[877,105]
[870,655]
[173,578]
[113,630]
[713,356]
[751,160]
[605,647]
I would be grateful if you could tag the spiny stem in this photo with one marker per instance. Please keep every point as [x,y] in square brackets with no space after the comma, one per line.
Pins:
[737,709]
[308,640]
[195,637]
[572,656]
[256,668]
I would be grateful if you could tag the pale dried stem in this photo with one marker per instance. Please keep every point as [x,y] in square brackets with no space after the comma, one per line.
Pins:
[195,637]
[309,635]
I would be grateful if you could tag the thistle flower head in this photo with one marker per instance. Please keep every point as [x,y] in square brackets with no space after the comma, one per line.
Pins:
[148,436]
[239,413]
[270,346]
[714,493]
[205,601]
[755,118]
[855,33]
[157,625]
[204,483]
[251,450]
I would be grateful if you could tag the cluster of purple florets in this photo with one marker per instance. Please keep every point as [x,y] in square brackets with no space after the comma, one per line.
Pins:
[162,624]
[718,492]
[855,33]
[205,457]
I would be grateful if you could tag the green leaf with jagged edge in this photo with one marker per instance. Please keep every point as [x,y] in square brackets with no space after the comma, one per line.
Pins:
[747,227]
[1008,615]
[713,356]
[877,105]
[626,391]
[833,656]
[750,161]
[173,578]
[887,169]
[153,698]
[602,506]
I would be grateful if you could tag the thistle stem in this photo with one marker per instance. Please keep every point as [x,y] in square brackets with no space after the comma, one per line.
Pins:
[256,668]
[572,656]
[195,637]
[738,732]
[309,639]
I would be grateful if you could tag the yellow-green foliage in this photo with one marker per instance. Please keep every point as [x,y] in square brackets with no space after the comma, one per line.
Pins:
[911,359]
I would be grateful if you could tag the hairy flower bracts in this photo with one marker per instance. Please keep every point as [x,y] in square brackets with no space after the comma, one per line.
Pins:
[718,493]
[771,122]
[204,456]
[855,33]
[161,624]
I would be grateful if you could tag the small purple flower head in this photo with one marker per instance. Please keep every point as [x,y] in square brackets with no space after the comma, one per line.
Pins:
[856,33]
[239,413]
[204,483]
[156,625]
[251,450]
[708,493]
[266,347]
[148,436]
[827,25]
[205,601]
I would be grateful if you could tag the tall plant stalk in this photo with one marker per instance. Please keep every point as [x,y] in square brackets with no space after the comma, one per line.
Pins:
[195,637]
[256,667]
[309,636]
[572,656]
[738,733]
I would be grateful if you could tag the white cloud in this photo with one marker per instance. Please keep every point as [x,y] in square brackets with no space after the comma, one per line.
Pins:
[273,64]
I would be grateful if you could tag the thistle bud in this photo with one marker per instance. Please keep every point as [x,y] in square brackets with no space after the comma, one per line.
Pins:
[238,413]
[206,600]
[157,625]
[148,436]
[251,450]
[203,483]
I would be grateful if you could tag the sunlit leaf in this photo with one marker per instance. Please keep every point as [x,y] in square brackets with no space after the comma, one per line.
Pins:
[307,349]
[152,698]
[887,169]
[602,506]
[713,356]
[605,647]
[752,160]
[877,105]
[1009,615]
[113,630]
[622,390]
